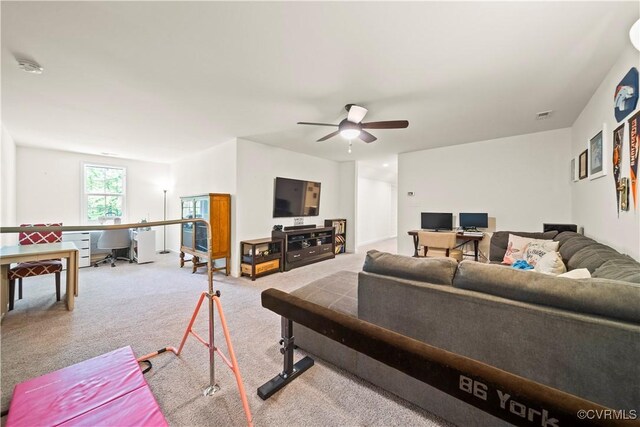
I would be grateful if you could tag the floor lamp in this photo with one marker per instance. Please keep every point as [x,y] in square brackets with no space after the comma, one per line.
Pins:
[164,232]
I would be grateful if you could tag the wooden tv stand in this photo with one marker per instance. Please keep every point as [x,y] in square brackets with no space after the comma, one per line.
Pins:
[306,246]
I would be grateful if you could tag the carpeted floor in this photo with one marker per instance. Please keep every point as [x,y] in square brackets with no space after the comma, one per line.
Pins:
[148,306]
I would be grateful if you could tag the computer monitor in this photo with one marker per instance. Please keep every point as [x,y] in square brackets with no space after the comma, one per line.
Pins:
[436,221]
[474,220]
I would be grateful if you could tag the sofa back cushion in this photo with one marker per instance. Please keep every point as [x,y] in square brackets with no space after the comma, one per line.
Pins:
[570,246]
[608,298]
[591,257]
[438,271]
[622,267]
[565,235]
[500,240]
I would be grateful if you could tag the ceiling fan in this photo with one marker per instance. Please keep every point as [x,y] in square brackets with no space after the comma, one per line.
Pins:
[352,126]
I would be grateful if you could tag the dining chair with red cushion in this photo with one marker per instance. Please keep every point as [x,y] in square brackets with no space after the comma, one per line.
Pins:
[35,268]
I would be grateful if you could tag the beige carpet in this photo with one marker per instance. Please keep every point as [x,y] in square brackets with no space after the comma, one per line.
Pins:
[148,306]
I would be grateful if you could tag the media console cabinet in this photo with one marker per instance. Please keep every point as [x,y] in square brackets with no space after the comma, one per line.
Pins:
[306,245]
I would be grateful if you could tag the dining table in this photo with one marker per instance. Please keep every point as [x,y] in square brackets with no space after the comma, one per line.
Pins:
[39,252]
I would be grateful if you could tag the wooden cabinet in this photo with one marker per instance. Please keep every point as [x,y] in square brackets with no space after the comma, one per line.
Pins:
[306,246]
[260,257]
[216,209]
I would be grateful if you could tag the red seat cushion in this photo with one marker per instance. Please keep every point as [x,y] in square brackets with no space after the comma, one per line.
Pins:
[28,269]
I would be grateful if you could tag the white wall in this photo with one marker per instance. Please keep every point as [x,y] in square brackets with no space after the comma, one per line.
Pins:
[348,205]
[522,181]
[7,186]
[377,207]
[258,166]
[49,187]
[209,171]
[594,201]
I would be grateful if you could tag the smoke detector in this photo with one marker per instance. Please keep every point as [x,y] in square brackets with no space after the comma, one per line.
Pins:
[543,115]
[29,66]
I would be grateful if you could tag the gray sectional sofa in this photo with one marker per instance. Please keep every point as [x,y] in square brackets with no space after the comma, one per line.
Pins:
[581,336]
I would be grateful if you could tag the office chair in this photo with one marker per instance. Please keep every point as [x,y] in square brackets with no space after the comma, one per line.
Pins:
[35,268]
[439,244]
[114,240]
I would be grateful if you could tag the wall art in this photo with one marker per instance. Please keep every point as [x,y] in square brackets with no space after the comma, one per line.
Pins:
[618,137]
[625,97]
[583,171]
[634,147]
[597,164]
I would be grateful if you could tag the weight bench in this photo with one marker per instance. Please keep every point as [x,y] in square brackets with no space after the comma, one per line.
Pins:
[106,390]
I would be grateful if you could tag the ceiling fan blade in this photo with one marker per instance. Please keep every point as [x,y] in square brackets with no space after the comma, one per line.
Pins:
[331,135]
[391,124]
[356,113]
[366,136]
[317,124]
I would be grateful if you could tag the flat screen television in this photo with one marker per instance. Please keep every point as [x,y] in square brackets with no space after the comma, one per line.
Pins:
[293,197]
[436,221]
[474,220]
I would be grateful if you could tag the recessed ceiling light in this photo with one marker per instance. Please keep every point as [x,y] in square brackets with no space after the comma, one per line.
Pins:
[385,165]
[29,66]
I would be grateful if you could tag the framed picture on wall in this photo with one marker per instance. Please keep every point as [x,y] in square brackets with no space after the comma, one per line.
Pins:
[574,170]
[597,155]
[582,164]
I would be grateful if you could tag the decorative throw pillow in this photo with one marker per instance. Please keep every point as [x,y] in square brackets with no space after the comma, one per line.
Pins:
[578,273]
[551,263]
[515,248]
[539,248]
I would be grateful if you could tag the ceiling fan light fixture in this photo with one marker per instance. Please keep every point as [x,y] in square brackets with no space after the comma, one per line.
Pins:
[350,133]
[352,127]
[349,130]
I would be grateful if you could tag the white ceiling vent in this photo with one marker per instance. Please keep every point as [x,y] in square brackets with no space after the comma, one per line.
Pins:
[30,66]
[543,115]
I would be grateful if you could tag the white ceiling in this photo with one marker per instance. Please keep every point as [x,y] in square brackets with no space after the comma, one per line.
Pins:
[154,80]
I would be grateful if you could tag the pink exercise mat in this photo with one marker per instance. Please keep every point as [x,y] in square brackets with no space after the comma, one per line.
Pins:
[106,390]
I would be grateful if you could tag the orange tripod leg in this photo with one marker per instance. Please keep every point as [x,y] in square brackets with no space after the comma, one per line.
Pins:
[231,362]
[193,319]
[235,368]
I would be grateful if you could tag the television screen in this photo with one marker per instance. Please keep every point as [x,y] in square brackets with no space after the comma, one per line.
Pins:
[436,221]
[474,220]
[293,197]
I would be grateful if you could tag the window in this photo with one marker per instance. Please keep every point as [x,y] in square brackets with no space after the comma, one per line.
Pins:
[104,192]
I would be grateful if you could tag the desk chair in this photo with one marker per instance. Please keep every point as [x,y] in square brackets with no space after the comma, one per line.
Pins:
[439,244]
[35,268]
[114,240]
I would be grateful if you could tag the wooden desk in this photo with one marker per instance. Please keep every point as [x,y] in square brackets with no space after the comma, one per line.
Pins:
[459,236]
[40,252]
